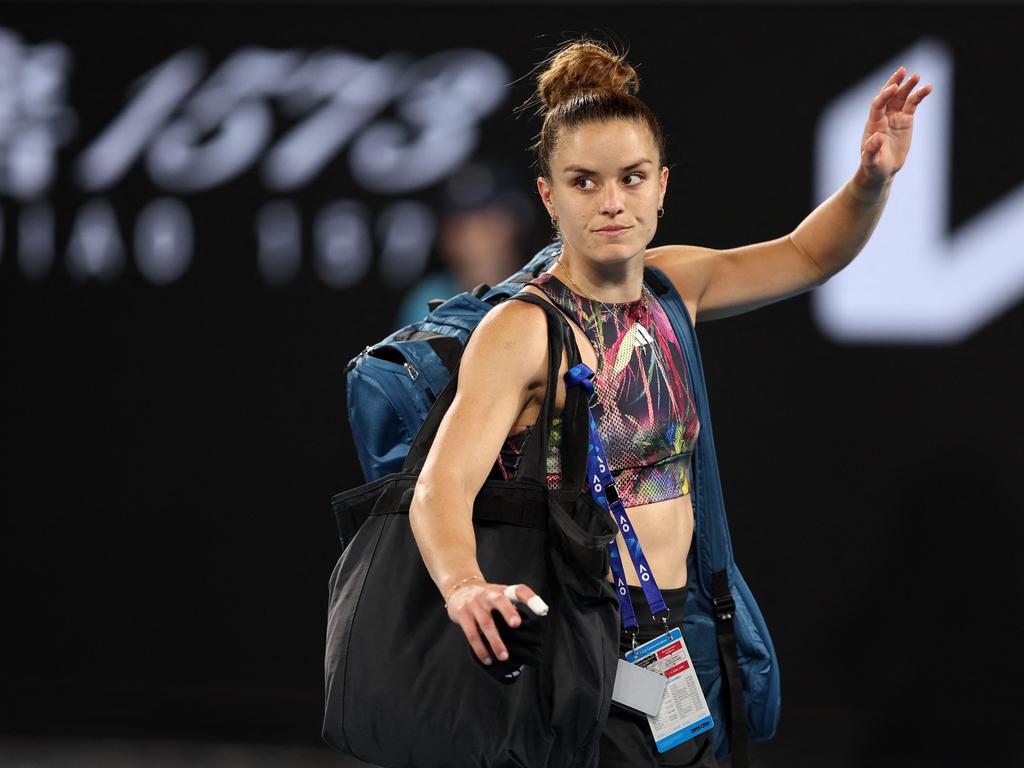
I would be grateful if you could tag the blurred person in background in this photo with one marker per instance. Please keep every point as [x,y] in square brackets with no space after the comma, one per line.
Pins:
[484,215]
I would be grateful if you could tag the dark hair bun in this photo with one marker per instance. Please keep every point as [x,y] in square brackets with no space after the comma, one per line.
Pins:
[584,65]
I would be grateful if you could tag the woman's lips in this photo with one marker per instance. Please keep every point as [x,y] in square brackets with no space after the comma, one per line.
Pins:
[612,232]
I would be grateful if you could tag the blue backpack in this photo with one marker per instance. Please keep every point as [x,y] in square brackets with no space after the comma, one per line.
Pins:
[391,387]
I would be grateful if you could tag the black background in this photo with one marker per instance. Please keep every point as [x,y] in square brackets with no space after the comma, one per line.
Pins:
[171,451]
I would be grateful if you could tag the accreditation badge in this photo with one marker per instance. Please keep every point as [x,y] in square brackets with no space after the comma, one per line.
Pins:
[684,711]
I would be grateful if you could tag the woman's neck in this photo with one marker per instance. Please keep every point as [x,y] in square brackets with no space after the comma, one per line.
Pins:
[613,283]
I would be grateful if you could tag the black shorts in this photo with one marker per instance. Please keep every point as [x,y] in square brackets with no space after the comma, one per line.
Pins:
[627,741]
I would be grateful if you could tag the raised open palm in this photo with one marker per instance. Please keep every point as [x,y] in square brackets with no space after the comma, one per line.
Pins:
[886,139]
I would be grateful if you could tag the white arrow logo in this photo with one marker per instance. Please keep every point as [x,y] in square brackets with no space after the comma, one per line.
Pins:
[914,281]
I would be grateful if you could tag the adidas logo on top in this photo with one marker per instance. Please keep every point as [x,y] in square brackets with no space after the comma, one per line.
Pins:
[641,336]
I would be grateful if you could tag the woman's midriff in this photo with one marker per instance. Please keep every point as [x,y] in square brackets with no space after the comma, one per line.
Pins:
[665,530]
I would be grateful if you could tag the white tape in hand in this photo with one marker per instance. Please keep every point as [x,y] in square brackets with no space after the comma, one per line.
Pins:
[535,604]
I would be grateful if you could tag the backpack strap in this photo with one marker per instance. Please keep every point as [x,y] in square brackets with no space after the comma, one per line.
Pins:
[717,556]
[541,261]
[725,633]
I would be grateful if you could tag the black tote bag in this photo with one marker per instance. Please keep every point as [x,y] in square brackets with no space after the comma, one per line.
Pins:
[402,686]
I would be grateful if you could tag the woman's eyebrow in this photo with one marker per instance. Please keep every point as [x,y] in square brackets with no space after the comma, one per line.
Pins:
[631,166]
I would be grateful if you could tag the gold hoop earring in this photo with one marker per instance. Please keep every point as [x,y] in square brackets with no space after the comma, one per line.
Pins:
[661,212]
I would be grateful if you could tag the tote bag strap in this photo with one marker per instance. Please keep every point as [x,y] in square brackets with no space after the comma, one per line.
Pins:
[573,471]
[575,419]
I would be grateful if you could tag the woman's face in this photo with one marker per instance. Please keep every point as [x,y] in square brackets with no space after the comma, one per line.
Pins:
[605,174]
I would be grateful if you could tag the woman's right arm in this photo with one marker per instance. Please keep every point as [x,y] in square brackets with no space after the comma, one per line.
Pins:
[503,364]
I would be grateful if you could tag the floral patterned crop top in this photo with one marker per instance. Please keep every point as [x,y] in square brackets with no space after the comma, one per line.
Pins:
[645,411]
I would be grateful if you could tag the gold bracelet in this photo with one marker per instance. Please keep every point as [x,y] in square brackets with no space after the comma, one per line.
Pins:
[457,585]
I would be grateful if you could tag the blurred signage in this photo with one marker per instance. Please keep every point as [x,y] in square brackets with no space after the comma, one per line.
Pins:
[401,123]
[916,281]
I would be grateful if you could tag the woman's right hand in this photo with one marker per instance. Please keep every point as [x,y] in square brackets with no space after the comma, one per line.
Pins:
[470,607]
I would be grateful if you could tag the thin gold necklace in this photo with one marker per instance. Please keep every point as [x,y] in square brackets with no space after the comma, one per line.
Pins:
[604,307]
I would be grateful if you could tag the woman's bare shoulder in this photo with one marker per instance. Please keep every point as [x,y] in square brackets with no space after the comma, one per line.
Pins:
[512,335]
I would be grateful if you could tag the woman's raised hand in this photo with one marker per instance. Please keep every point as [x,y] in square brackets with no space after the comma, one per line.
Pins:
[470,607]
[886,139]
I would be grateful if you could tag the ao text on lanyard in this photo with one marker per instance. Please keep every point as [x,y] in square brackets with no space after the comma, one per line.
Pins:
[602,488]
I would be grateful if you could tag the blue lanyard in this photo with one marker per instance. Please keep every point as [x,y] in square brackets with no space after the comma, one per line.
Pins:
[602,488]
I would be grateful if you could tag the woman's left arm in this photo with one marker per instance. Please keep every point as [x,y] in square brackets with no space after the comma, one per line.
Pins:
[720,283]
